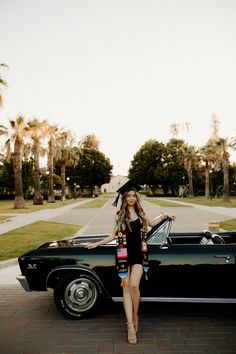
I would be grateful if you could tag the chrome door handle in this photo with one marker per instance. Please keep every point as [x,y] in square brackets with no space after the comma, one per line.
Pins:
[223,256]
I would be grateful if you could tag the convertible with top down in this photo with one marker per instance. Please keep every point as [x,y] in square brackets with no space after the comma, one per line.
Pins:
[183,267]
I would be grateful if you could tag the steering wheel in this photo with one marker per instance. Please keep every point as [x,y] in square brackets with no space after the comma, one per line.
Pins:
[217,239]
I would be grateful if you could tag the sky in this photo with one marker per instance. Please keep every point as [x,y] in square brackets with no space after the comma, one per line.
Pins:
[124,70]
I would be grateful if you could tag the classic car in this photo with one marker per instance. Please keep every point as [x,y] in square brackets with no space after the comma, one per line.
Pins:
[183,267]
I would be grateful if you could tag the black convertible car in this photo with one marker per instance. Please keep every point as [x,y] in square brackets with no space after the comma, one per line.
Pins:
[183,267]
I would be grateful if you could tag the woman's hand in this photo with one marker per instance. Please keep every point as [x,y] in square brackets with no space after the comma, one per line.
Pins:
[164,216]
[91,245]
[171,217]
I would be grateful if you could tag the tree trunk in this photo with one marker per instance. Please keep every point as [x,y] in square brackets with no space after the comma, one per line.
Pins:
[207,182]
[63,181]
[226,182]
[190,180]
[19,202]
[38,198]
[51,198]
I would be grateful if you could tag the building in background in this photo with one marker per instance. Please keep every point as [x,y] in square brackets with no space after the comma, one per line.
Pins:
[115,183]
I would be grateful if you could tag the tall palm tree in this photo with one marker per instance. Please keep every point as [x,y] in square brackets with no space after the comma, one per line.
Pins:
[52,133]
[19,132]
[90,141]
[191,159]
[2,83]
[67,155]
[37,131]
[209,155]
[224,144]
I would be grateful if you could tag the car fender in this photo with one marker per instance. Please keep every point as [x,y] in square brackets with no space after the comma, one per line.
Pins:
[57,273]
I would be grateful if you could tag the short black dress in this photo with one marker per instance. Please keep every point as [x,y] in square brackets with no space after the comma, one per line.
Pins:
[133,240]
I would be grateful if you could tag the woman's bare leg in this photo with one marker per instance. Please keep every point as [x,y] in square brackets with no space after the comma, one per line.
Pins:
[127,300]
[128,306]
[134,282]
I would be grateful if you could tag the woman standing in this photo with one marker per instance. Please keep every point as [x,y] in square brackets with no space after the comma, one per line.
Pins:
[131,226]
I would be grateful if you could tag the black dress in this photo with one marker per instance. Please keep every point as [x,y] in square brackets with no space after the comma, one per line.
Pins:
[133,240]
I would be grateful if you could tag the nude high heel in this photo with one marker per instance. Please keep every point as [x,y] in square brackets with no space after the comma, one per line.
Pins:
[132,339]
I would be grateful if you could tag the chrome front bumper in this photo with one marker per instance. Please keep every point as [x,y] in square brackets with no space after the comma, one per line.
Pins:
[23,282]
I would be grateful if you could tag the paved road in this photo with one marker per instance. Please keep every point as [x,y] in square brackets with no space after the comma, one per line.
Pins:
[30,323]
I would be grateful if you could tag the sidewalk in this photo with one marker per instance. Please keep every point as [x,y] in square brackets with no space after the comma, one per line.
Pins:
[45,214]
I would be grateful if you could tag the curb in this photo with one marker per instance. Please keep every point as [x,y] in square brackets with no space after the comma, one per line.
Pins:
[9,262]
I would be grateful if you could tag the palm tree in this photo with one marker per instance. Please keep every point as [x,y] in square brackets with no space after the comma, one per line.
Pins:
[223,145]
[191,159]
[67,155]
[2,83]
[90,141]
[37,131]
[209,155]
[52,132]
[19,132]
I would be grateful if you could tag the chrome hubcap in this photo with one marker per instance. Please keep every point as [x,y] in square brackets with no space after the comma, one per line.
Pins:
[81,294]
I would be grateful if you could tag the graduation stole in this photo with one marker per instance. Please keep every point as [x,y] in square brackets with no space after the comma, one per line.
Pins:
[122,254]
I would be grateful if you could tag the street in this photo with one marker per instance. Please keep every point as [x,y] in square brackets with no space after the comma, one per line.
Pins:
[31,324]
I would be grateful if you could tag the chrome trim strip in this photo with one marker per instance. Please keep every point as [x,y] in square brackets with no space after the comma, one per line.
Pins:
[23,282]
[183,299]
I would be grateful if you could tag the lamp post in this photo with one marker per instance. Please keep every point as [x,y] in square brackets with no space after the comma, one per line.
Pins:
[47,174]
[68,185]
[211,186]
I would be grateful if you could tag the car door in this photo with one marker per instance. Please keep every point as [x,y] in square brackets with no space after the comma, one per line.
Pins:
[190,271]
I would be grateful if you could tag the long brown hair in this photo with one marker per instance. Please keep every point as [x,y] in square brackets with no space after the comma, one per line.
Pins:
[123,213]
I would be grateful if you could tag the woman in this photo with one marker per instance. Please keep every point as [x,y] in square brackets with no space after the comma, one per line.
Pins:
[130,231]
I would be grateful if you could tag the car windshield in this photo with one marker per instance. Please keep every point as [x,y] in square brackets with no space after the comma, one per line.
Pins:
[160,235]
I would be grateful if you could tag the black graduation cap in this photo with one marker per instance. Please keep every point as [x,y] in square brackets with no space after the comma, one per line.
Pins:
[128,186]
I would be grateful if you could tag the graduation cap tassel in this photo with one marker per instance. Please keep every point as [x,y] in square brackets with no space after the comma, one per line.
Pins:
[116,200]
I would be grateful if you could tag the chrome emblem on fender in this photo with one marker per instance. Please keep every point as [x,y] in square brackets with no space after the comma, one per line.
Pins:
[32,266]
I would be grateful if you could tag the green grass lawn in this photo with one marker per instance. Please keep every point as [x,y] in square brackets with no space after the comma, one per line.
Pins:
[202,201]
[3,218]
[7,206]
[16,242]
[229,225]
[95,203]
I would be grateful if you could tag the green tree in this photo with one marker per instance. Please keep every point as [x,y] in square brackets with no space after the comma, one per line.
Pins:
[174,171]
[93,168]
[27,176]
[147,165]
[7,177]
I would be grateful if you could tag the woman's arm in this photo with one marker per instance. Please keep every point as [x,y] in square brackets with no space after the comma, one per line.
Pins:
[160,218]
[102,242]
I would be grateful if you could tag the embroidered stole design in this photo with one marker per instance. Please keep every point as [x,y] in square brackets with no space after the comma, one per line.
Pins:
[122,254]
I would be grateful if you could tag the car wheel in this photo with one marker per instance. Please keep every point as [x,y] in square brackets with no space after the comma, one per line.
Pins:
[77,295]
